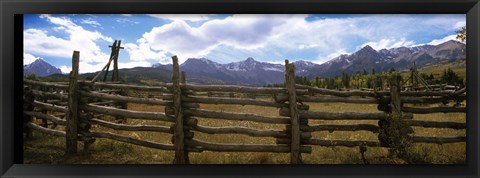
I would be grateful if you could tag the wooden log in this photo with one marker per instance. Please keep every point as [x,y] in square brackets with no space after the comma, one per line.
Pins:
[125,86]
[169,111]
[43,94]
[72,114]
[45,84]
[50,107]
[435,124]
[54,119]
[168,97]
[431,100]
[234,88]
[239,130]
[181,156]
[236,116]
[335,92]
[190,105]
[433,110]
[344,143]
[130,140]
[336,99]
[439,140]
[46,130]
[295,156]
[126,113]
[340,116]
[126,98]
[239,101]
[104,103]
[331,128]
[208,146]
[116,126]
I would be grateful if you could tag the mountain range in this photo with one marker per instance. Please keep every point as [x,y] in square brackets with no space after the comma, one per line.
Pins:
[252,72]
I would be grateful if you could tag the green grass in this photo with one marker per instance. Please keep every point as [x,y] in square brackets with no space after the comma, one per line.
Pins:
[49,149]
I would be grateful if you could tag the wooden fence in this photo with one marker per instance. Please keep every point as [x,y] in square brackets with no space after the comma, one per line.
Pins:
[79,105]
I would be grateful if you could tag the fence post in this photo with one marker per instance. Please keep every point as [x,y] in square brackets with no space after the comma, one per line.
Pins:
[295,156]
[28,99]
[179,143]
[72,118]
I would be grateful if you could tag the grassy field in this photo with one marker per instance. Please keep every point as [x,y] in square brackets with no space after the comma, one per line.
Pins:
[48,149]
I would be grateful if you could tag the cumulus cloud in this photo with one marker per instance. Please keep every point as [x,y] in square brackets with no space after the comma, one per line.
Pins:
[65,69]
[41,43]
[239,31]
[142,51]
[388,43]
[29,58]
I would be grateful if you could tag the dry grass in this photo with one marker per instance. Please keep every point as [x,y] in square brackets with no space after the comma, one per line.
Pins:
[47,149]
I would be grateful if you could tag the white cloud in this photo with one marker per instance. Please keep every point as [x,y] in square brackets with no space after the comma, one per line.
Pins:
[443,40]
[39,42]
[91,22]
[247,32]
[29,58]
[65,69]
[460,24]
[182,17]
[388,43]
[307,46]
[142,51]
[126,21]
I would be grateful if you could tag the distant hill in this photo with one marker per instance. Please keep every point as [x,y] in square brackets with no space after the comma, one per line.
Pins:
[40,68]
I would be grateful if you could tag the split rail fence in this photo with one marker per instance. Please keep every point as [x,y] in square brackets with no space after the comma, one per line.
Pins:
[79,105]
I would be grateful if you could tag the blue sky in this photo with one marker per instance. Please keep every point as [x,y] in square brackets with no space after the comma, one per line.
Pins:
[224,38]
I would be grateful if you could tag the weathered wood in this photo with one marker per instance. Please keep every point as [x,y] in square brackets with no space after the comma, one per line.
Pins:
[332,127]
[46,130]
[239,101]
[181,156]
[125,86]
[130,140]
[396,103]
[127,98]
[72,114]
[239,130]
[434,124]
[54,119]
[126,113]
[50,107]
[295,156]
[431,100]
[344,143]
[433,110]
[46,84]
[236,116]
[439,140]
[168,97]
[336,99]
[335,92]
[208,146]
[116,126]
[234,88]
[42,94]
[340,116]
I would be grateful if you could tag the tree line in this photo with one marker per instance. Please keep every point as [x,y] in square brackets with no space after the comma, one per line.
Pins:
[373,79]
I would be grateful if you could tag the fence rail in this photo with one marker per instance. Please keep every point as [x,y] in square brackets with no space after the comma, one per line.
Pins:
[183,102]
